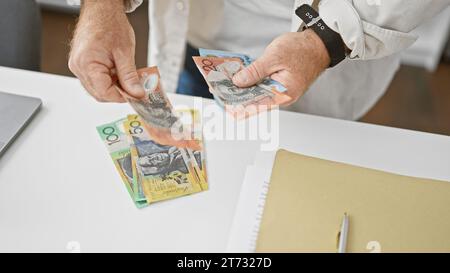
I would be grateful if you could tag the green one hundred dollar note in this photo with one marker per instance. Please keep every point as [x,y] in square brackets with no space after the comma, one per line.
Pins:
[118,146]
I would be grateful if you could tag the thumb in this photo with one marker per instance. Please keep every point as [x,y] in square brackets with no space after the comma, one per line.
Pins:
[128,76]
[252,74]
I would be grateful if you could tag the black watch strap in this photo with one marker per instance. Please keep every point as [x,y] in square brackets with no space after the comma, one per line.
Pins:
[332,40]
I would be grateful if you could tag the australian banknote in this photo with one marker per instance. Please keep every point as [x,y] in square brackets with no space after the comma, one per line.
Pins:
[156,111]
[118,145]
[267,83]
[164,172]
[137,180]
[155,107]
[191,119]
[241,102]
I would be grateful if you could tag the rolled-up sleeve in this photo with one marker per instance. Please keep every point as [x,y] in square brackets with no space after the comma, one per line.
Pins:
[130,5]
[373,29]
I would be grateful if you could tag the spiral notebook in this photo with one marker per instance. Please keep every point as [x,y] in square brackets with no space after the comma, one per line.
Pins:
[297,206]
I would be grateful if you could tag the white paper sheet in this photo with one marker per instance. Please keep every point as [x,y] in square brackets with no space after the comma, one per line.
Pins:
[250,207]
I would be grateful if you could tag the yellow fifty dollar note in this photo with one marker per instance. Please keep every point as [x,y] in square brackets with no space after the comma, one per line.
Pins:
[191,120]
[165,172]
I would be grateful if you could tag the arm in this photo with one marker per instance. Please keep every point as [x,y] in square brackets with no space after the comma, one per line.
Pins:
[373,29]
[102,52]
[130,5]
[369,31]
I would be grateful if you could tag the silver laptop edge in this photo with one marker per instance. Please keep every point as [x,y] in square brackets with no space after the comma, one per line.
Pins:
[16,112]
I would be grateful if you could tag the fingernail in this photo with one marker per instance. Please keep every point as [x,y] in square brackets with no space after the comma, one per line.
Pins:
[137,90]
[240,78]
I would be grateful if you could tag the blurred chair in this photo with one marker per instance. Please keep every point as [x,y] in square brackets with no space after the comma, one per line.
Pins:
[20,34]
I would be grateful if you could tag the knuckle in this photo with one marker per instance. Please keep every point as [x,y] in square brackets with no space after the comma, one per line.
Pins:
[73,64]
[129,75]
[84,60]
[106,95]
[94,94]
[100,100]
[123,51]
[99,97]
[255,70]
[92,69]
[110,92]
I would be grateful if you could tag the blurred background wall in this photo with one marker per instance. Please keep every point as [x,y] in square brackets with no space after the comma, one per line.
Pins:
[418,98]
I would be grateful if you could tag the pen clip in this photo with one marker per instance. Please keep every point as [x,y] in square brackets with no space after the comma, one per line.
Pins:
[339,234]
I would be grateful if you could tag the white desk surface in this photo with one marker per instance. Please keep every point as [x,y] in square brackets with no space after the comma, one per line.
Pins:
[58,184]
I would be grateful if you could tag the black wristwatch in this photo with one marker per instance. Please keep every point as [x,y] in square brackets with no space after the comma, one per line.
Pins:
[333,42]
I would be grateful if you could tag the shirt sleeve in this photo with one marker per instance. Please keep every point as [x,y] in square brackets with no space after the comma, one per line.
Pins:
[130,5]
[373,29]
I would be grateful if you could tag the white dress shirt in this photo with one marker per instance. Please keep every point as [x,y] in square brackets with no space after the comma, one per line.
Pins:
[238,26]
[374,30]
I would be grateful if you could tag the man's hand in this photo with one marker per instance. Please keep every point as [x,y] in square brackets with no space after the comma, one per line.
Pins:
[294,59]
[103,50]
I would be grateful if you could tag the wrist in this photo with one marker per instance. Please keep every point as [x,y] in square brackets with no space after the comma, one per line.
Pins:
[101,22]
[336,48]
[104,3]
[101,13]
[317,48]
[94,9]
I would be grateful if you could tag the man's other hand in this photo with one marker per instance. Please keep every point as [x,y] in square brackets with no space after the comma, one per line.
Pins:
[103,52]
[294,59]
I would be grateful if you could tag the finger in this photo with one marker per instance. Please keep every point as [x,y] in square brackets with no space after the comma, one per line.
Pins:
[293,89]
[116,82]
[128,76]
[75,71]
[113,94]
[95,77]
[102,85]
[90,90]
[255,72]
[87,86]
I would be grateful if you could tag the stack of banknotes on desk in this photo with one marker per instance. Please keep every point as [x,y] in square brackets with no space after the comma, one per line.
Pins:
[158,153]
[218,69]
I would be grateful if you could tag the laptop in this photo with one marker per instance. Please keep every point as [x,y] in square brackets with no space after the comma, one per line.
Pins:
[15,113]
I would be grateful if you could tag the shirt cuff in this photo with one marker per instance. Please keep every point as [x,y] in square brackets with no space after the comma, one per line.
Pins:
[130,5]
[365,40]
